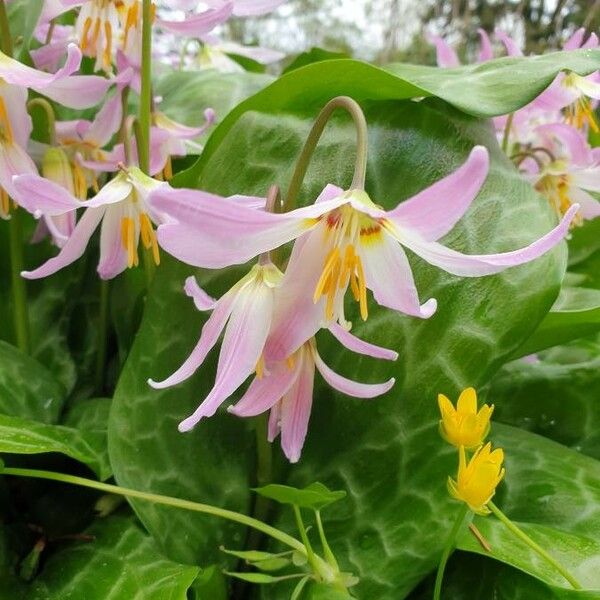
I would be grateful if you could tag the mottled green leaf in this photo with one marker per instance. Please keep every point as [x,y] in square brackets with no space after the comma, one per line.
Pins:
[23,16]
[24,436]
[27,388]
[90,415]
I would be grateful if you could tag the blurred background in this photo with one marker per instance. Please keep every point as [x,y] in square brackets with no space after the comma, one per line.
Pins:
[392,30]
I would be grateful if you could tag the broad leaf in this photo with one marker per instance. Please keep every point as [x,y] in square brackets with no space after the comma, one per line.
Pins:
[23,436]
[27,388]
[315,496]
[23,16]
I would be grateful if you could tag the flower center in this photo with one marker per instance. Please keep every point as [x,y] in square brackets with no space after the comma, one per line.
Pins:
[346,229]
[556,188]
[129,238]
[580,114]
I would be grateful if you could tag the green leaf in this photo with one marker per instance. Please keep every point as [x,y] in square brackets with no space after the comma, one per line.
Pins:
[147,451]
[27,388]
[579,555]
[312,56]
[315,496]
[23,436]
[297,592]
[575,314]
[554,398]
[260,578]
[488,89]
[89,415]
[211,584]
[23,16]
[387,452]
[120,562]
[265,561]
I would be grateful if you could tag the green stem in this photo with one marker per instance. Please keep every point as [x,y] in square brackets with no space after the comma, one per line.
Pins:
[50,116]
[506,136]
[310,555]
[125,129]
[329,556]
[517,531]
[450,543]
[215,511]
[19,291]
[5,37]
[102,336]
[360,166]
[145,114]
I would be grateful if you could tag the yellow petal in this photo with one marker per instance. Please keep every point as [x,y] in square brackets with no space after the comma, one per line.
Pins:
[467,402]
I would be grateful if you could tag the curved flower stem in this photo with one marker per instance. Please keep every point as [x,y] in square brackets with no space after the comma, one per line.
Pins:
[215,511]
[50,116]
[506,136]
[533,545]
[310,555]
[102,335]
[19,291]
[327,552]
[360,166]
[146,90]
[450,543]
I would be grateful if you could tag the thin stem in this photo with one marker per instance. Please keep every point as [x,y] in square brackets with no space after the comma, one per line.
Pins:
[5,37]
[125,129]
[50,33]
[517,531]
[450,543]
[506,136]
[215,511]
[329,556]
[272,205]
[310,555]
[360,166]
[143,140]
[19,291]
[102,336]
[50,116]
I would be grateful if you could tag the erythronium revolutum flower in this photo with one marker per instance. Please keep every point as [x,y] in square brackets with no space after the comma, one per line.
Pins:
[345,241]
[446,55]
[464,425]
[244,312]
[286,389]
[477,480]
[120,205]
[569,176]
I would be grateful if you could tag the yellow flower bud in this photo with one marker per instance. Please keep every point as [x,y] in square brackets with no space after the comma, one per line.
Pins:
[477,481]
[463,425]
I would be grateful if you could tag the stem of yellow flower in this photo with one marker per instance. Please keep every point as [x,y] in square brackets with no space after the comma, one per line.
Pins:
[517,531]
[360,166]
[506,136]
[450,543]
[230,515]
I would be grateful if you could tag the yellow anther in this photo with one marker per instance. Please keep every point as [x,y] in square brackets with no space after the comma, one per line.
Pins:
[260,367]
[128,241]
[84,35]
[4,203]
[168,170]
[108,46]
[290,361]
[6,132]
[95,36]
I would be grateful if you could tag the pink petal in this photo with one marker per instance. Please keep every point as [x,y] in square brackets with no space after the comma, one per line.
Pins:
[208,338]
[512,48]
[446,56]
[274,422]
[572,139]
[253,8]
[556,96]
[214,232]
[42,196]
[198,24]
[589,207]
[74,247]
[15,101]
[106,123]
[295,410]
[242,347]
[485,264]
[434,211]
[359,346]
[264,56]
[13,161]
[47,57]
[264,393]
[116,190]
[587,179]
[113,256]
[349,387]
[389,276]
[202,300]
[485,53]
[575,40]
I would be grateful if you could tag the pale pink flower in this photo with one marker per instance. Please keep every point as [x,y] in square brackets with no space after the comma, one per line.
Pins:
[446,55]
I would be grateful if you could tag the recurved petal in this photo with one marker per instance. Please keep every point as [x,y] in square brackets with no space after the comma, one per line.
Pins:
[359,346]
[13,161]
[349,387]
[73,248]
[113,255]
[389,276]
[485,50]
[208,338]
[476,265]
[445,54]
[589,207]
[198,24]
[42,196]
[434,211]
[202,300]
[253,8]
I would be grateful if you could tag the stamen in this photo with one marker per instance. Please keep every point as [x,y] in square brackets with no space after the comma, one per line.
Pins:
[4,203]
[84,35]
[79,181]
[149,237]
[6,131]
[168,170]
[260,367]
[323,284]
[95,36]
[108,46]
[128,241]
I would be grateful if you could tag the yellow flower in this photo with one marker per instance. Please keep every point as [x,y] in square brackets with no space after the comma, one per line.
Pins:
[477,481]
[463,425]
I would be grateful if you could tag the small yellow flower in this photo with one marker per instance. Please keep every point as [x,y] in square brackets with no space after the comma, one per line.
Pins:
[477,481]
[463,425]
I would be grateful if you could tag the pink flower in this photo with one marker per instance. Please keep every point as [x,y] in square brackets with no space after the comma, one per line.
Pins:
[120,206]
[286,389]
[446,55]
[345,241]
